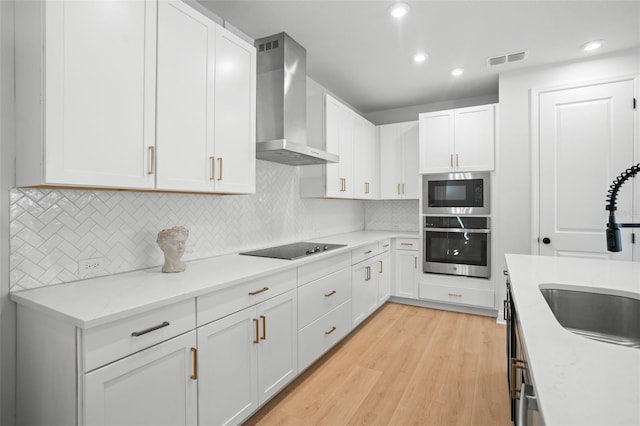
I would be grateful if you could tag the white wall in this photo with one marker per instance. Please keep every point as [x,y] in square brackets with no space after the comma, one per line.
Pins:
[513,153]
[7,308]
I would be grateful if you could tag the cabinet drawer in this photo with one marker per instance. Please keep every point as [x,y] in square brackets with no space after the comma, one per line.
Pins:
[320,268]
[363,253]
[232,299]
[458,295]
[385,245]
[321,296]
[115,340]
[406,244]
[322,334]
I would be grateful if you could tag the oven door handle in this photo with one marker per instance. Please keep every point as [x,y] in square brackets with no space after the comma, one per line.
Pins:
[459,230]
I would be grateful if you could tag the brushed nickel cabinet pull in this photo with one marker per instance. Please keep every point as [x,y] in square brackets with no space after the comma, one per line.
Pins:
[366,187]
[256,323]
[152,160]
[387,245]
[398,189]
[403,188]
[455,294]
[415,262]
[380,270]
[150,329]
[331,293]
[264,327]
[262,290]
[194,353]
[406,244]
[457,165]
[451,160]
[219,168]
[368,273]
[212,163]
[330,330]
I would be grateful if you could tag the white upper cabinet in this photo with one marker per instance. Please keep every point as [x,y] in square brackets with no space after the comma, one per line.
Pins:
[339,132]
[89,120]
[365,160]
[399,177]
[235,114]
[459,140]
[95,63]
[185,129]
[354,139]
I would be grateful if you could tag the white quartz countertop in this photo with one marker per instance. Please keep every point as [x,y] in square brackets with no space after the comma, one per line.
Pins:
[578,381]
[96,301]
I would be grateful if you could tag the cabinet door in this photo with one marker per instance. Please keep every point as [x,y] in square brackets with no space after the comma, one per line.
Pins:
[278,347]
[390,183]
[436,142]
[364,159]
[339,139]
[100,93]
[228,368]
[410,173]
[383,269]
[186,49]
[474,138]
[235,114]
[151,387]
[406,267]
[364,291]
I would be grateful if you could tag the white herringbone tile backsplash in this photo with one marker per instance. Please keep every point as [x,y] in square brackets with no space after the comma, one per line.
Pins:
[392,215]
[51,230]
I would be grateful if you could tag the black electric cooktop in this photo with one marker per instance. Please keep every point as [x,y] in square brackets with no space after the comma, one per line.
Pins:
[294,251]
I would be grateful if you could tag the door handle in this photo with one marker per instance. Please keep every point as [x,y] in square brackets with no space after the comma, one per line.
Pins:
[546,240]
[264,327]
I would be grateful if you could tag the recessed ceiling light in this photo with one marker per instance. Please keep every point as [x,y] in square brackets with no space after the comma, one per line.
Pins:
[456,72]
[398,10]
[420,57]
[593,45]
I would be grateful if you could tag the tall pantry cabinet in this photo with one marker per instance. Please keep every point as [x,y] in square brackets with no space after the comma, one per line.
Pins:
[87,114]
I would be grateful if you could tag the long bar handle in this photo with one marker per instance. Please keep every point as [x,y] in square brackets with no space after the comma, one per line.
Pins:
[264,327]
[331,330]
[457,165]
[150,329]
[219,168]
[331,293]
[212,173]
[262,290]
[451,160]
[380,270]
[256,323]
[194,354]
[152,160]
[415,262]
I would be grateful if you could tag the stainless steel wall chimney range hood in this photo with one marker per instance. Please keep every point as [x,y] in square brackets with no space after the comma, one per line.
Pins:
[282,104]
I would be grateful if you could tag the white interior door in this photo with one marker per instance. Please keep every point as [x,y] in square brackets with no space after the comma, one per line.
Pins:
[586,140]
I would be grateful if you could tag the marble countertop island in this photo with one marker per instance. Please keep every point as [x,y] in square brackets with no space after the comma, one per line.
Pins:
[578,381]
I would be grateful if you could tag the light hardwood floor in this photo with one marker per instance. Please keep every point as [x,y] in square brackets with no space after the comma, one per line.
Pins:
[404,366]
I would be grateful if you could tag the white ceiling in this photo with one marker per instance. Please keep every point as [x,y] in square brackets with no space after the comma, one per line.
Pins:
[358,51]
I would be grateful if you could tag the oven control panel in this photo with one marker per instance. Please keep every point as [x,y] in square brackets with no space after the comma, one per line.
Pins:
[457,222]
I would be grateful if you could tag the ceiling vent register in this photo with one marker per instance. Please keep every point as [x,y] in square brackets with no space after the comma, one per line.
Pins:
[508,58]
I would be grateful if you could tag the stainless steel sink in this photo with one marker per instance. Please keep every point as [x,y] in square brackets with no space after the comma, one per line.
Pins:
[604,317]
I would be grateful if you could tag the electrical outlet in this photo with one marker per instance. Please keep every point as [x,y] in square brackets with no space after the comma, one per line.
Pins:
[90,266]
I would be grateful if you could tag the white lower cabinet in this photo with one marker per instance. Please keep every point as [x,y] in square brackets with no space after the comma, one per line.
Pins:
[407,264]
[384,278]
[246,358]
[154,387]
[364,291]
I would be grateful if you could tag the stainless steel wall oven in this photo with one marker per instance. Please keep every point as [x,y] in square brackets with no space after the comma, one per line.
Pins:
[457,245]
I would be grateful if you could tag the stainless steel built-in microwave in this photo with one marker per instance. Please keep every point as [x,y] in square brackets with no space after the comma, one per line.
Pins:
[456,193]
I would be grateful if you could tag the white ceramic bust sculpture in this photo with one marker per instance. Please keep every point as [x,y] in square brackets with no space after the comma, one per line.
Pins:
[172,242]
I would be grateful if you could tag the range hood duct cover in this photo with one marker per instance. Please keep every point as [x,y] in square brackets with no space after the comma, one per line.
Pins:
[281,109]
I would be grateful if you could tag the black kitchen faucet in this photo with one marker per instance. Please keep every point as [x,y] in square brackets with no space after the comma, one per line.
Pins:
[613,229]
